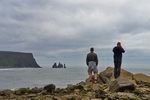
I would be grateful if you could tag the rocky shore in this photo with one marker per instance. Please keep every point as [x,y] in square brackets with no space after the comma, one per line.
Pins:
[127,87]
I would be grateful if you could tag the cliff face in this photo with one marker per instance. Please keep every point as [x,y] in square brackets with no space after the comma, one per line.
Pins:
[17,60]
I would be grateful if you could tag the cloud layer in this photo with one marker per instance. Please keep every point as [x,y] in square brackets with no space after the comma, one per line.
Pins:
[54,29]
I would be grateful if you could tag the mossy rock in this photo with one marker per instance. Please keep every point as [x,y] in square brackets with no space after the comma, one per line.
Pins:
[5,92]
[100,94]
[64,91]
[22,91]
[35,90]
[58,90]
[80,87]
[142,78]
[72,88]
[1,98]
[72,98]
[50,88]
[2,93]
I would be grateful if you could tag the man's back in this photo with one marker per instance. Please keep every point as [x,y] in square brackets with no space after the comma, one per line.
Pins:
[92,57]
[118,53]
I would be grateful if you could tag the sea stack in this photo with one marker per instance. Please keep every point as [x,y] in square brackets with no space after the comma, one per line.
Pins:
[59,65]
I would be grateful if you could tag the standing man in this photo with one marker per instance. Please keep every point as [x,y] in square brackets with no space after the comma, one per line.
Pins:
[118,50]
[92,62]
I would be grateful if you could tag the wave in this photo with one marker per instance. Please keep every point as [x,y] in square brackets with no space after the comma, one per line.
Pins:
[5,69]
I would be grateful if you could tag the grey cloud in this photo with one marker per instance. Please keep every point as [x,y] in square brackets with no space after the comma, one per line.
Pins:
[54,25]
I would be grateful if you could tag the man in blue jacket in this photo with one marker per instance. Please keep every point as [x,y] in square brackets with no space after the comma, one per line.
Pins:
[118,50]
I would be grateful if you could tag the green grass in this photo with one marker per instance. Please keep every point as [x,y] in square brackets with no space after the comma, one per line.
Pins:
[7,62]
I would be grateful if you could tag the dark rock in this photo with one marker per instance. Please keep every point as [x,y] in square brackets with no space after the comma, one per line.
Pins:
[138,92]
[2,93]
[65,91]
[71,87]
[100,94]
[44,93]
[59,65]
[35,90]
[72,98]
[122,96]
[81,83]
[22,91]
[64,66]
[5,92]
[55,65]
[80,87]
[50,88]
[107,75]
[74,87]
[121,84]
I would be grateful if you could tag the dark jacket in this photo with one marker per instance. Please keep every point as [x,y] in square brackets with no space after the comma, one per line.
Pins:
[92,57]
[118,53]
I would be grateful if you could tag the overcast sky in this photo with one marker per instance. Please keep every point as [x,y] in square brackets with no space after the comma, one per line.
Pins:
[64,30]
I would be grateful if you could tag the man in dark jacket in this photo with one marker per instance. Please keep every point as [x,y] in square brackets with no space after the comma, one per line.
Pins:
[118,50]
[92,62]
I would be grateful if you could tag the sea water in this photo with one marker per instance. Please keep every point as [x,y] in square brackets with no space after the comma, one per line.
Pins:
[40,77]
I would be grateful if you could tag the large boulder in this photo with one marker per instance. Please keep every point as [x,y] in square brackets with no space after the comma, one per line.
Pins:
[49,87]
[108,75]
[121,84]
[142,77]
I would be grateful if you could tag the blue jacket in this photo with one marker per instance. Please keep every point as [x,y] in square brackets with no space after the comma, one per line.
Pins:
[118,53]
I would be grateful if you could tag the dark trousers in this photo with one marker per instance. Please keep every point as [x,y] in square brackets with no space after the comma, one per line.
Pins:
[117,68]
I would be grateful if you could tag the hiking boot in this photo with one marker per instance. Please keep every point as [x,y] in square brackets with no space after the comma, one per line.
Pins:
[91,82]
[95,82]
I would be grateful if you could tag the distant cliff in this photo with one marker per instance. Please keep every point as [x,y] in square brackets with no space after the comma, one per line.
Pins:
[17,60]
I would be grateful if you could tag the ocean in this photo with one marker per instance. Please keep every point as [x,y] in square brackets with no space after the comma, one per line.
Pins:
[40,77]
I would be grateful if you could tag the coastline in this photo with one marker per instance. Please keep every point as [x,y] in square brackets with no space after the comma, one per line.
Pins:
[84,91]
[33,77]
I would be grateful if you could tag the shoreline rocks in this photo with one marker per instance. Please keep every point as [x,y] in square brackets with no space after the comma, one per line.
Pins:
[126,87]
[141,78]
[121,84]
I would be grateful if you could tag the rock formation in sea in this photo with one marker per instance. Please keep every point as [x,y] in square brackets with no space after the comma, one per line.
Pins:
[59,65]
[9,59]
[64,65]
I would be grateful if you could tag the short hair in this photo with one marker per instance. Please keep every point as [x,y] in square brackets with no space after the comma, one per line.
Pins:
[91,49]
[118,43]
